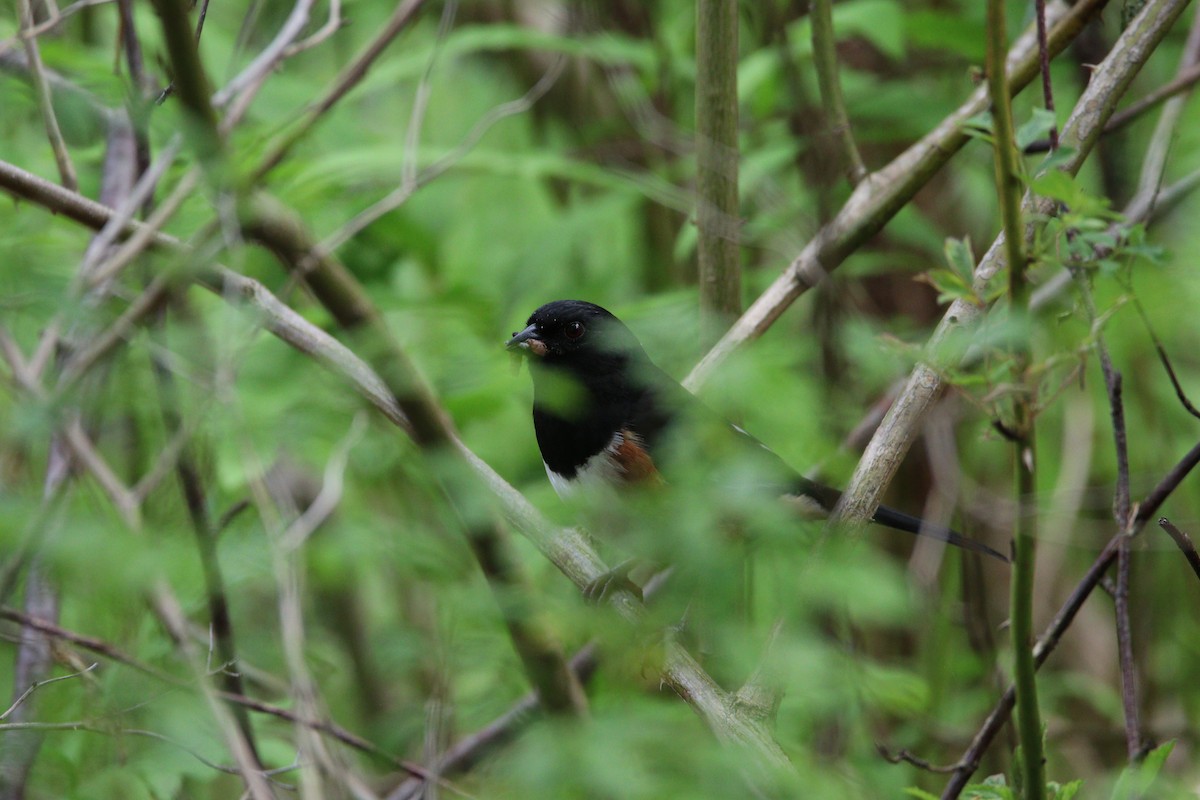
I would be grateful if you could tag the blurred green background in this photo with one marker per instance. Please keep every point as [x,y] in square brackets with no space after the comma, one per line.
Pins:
[587,194]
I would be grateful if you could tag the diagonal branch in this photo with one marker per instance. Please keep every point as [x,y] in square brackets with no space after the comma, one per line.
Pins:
[878,198]
[568,549]
[903,421]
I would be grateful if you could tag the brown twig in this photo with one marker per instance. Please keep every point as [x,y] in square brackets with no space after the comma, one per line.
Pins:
[1063,619]
[905,757]
[66,170]
[347,80]
[1184,542]
[876,200]
[1044,65]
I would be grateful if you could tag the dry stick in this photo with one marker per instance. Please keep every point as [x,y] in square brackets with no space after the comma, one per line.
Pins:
[347,80]
[407,188]
[1044,67]
[878,198]
[39,684]
[1155,161]
[469,750]
[332,24]
[718,217]
[903,421]
[1122,514]
[51,22]
[242,90]
[66,170]
[568,549]
[1184,543]
[1165,360]
[1180,83]
[108,729]
[252,76]
[824,45]
[1063,619]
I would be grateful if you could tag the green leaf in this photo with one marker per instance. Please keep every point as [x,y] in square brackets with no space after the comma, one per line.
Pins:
[920,794]
[880,22]
[1136,779]
[960,257]
[1057,185]
[1038,127]
[1065,791]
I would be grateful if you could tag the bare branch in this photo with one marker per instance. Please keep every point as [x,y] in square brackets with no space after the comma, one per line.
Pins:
[66,170]
[1184,543]
[877,199]
[347,80]
[39,684]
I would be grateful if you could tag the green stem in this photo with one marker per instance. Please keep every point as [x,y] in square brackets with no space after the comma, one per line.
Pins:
[825,60]
[1008,187]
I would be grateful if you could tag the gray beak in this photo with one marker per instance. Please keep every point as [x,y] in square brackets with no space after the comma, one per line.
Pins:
[521,339]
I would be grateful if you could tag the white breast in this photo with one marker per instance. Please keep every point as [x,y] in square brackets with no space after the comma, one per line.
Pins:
[601,469]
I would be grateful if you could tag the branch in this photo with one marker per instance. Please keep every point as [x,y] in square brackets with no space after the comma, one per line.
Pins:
[876,200]
[1184,542]
[903,421]
[568,549]
[66,170]
[1066,615]
[277,229]
[347,80]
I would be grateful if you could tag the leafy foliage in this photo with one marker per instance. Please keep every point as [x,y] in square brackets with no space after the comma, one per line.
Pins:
[379,618]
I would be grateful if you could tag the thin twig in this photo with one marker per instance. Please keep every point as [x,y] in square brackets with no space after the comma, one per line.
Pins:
[1063,619]
[331,490]
[271,55]
[66,170]
[52,22]
[1044,65]
[905,757]
[332,24]
[347,80]
[39,684]
[1164,359]
[402,193]
[876,200]
[171,615]
[1184,542]
[115,654]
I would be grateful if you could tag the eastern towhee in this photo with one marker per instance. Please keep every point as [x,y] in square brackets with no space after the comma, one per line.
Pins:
[603,412]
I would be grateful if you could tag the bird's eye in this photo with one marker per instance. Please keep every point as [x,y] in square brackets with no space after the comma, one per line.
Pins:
[574,330]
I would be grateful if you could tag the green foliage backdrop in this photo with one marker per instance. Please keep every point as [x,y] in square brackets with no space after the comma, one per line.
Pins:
[529,151]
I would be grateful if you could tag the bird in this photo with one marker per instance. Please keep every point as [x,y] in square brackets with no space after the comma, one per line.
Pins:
[604,414]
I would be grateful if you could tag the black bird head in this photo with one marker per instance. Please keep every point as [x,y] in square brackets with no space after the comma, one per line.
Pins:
[574,334]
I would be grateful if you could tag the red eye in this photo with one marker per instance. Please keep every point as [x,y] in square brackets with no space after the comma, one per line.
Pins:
[574,330]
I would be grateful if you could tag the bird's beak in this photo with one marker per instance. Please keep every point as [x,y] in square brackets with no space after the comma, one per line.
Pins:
[527,340]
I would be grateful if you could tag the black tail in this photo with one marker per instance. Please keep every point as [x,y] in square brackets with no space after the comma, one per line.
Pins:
[909,524]
[828,498]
